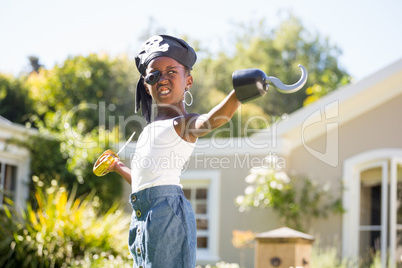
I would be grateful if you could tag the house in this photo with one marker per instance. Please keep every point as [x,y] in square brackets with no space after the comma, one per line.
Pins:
[14,163]
[352,136]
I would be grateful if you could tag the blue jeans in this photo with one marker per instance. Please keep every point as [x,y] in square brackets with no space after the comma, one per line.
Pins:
[163,229]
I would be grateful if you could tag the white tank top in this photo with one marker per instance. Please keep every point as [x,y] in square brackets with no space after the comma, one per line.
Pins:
[159,157]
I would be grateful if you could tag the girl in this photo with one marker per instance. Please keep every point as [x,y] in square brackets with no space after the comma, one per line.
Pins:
[163,228]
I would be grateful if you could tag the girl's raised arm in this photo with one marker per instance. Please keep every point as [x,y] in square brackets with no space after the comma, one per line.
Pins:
[218,116]
[196,125]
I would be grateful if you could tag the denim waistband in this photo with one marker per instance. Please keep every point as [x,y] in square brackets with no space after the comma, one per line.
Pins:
[148,194]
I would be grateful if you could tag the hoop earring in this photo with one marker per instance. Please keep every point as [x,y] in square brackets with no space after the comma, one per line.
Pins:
[191,98]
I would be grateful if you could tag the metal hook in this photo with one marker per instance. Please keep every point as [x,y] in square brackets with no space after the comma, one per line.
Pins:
[289,88]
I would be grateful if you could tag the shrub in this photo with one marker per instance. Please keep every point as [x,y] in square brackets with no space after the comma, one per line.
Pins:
[221,265]
[63,231]
[328,257]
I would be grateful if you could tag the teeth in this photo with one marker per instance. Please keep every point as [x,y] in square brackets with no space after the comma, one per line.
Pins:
[165,91]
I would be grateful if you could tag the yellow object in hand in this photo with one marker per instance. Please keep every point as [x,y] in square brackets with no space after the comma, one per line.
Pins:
[103,162]
[107,158]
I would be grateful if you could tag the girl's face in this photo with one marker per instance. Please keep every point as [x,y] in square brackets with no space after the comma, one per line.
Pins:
[173,81]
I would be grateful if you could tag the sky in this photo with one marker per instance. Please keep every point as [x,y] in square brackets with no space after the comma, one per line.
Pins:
[367,31]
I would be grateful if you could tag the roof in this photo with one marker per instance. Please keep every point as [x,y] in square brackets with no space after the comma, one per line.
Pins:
[284,233]
[7,125]
[344,104]
[5,121]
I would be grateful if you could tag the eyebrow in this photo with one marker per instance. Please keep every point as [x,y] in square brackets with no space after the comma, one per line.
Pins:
[167,68]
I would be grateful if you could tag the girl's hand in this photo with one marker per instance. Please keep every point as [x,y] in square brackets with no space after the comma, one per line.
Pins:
[112,166]
[110,162]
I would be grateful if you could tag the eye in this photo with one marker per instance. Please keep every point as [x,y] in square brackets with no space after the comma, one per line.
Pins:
[152,78]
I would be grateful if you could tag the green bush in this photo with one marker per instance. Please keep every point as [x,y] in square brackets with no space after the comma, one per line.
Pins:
[63,231]
[328,257]
[221,264]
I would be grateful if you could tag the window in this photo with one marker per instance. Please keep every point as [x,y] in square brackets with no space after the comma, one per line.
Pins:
[370,211]
[201,188]
[373,203]
[197,195]
[7,181]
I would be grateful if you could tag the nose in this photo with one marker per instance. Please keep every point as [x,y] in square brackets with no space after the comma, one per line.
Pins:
[163,77]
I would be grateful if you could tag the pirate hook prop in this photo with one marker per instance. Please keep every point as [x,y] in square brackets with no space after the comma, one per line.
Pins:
[252,83]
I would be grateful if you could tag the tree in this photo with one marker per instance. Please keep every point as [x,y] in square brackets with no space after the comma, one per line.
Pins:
[277,52]
[15,104]
[95,89]
[34,62]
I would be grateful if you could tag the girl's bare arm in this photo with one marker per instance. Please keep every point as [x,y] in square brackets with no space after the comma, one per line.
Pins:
[196,125]
[121,169]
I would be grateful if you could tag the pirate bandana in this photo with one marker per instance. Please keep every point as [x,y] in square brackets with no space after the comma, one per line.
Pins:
[159,46]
